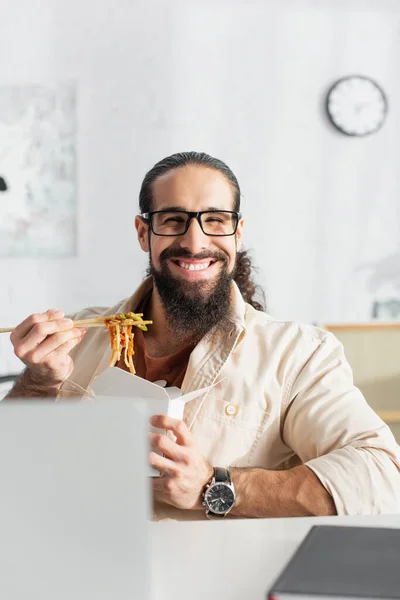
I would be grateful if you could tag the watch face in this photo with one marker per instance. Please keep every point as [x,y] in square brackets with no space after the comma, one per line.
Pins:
[219,498]
[356,105]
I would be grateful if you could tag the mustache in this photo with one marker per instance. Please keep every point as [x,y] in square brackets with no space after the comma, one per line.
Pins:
[177,253]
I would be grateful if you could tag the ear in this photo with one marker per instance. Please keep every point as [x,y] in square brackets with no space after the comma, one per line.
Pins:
[142,228]
[239,233]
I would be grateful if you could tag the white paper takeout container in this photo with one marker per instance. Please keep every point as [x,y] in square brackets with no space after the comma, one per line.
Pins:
[159,400]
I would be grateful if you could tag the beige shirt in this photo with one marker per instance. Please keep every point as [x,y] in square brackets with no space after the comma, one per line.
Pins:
[286,397]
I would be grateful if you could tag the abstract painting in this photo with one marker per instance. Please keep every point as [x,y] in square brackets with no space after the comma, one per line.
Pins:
[38,170]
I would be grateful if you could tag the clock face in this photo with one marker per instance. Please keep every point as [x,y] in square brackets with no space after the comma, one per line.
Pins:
[219,498]
[356,105]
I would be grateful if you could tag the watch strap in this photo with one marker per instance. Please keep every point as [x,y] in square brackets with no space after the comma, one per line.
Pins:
[212,515]
[221,475]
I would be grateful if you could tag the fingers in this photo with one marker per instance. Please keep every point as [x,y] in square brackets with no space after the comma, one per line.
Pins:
[43,342]
[66,348]
[162,464]
[40,331]
[178,428]
[166,446]
[59,344]
[23,328]
[57,364]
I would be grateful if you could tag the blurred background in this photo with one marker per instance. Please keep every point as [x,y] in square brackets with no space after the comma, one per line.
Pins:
[92,94]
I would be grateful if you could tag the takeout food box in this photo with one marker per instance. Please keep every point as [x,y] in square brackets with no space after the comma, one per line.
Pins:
[115,382]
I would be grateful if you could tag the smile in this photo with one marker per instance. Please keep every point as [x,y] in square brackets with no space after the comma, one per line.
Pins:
[193,266]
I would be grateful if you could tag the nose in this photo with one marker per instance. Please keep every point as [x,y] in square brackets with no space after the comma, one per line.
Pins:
[194,239]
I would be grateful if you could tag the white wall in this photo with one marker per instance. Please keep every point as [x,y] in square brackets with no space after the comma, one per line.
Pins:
[245,82]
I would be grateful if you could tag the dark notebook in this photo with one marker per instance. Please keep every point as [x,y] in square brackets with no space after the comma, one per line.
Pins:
[342,563]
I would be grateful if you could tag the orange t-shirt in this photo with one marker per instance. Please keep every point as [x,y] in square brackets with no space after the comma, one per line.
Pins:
[171,368]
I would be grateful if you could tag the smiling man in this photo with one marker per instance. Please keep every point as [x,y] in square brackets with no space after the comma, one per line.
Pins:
[192,233]
[285,432]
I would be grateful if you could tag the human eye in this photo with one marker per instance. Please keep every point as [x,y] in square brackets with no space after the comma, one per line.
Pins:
[216,217]
[169,218]
[174,219]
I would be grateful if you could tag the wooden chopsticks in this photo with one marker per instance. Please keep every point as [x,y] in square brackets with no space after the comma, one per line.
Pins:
[97,322]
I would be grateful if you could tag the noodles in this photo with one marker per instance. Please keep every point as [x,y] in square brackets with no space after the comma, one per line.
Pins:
[122,337]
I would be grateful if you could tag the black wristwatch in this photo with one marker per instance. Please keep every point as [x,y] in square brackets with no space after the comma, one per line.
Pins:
[219,494]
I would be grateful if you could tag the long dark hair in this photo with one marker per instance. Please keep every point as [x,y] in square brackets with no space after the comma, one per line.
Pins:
[243,274]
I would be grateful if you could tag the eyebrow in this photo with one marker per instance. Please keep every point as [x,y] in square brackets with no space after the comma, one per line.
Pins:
[182,208]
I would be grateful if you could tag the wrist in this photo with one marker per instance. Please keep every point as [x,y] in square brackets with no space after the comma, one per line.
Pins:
[205,482]
[40,384]
[251,485]
[239,478]
[30,386]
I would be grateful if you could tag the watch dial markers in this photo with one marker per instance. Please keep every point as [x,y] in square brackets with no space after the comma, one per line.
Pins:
[219,498]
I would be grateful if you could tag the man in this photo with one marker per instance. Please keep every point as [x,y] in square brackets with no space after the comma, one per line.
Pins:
[285,431]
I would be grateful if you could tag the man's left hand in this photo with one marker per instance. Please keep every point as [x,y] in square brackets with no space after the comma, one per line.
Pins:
[184,472]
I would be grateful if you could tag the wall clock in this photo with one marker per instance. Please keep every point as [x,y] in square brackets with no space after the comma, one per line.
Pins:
[356,105]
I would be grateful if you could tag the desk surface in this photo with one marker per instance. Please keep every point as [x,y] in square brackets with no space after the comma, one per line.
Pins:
[231,559]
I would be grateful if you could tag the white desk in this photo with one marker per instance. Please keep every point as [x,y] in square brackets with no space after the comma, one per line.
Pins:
[231,559]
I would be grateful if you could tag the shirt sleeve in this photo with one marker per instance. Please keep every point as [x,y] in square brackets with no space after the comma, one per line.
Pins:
[335,433]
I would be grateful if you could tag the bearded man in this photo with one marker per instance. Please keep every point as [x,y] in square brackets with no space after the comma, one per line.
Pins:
[285,432]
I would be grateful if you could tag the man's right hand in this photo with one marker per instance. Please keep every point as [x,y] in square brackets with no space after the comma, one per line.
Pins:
[43,342]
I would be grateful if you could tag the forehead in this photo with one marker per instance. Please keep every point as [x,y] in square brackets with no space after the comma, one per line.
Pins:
[193,188]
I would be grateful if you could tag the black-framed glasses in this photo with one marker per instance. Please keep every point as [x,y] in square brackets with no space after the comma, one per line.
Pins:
[177,222]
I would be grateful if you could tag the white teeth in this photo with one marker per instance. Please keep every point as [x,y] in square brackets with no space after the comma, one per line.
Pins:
[193,267]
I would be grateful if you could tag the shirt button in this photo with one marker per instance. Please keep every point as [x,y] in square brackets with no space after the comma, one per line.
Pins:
[231,409]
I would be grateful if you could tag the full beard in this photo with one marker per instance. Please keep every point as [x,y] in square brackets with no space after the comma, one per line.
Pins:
[193,309]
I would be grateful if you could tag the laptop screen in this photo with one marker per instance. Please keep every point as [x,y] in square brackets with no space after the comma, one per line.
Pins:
[74,500]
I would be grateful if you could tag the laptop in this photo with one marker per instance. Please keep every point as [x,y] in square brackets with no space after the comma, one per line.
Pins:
[342,563]
[74,501]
